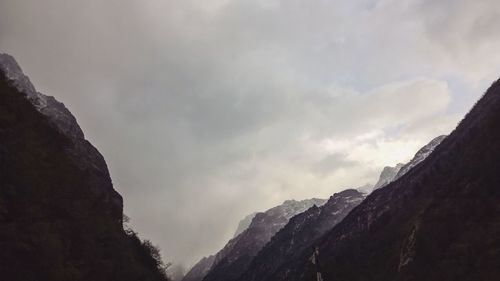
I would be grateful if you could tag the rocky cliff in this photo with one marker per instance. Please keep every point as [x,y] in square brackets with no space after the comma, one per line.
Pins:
[300,233]
[60,217]
[235,257]
[439,221]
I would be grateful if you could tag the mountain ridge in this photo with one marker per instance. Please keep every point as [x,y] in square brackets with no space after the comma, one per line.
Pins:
[262,227]
[314,222]
[440,221]
[300,233]
[60,217]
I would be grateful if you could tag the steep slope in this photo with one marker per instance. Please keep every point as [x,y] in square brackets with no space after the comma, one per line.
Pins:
[60,218]
[420,156]
[300,233]
[303,230]
[388,175]
[235,257]
[440,221]
[244,224]
[200,269]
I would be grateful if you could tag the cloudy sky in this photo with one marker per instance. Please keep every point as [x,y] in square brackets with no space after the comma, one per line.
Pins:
[207,110]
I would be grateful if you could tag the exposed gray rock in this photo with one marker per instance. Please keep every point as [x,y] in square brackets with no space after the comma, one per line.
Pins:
[300,233]
[57,113]
[420,156]
[388,175]
[60,217]
[200,269]
[233,259]
[244,224]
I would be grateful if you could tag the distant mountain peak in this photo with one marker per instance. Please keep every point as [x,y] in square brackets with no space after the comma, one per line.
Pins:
[253,232]
[244,224]
[300,233]
[390,174]
[439,221]
[365,189]
[420,156]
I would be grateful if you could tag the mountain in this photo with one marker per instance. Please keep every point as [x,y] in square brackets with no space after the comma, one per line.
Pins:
[390,174]
[300,233]
[200,269]
[420,156]
[303,230]
[244,224]
[235,257]
[439,221]
[60,218]
[365,189]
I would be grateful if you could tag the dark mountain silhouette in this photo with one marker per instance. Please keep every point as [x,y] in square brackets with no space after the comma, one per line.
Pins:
[301,232]
[420,156]
[247,245]
[60,218]
[235,257]
[440,221]
[390,174]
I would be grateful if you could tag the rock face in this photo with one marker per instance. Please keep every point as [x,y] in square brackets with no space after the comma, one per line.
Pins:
[60,218]
[56,112]
[300,233]
[390,174]
[439,221]
[235,257]
[244,224]
[200,269]
[420,156]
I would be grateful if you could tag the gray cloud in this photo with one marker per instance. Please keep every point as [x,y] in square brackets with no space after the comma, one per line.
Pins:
[332,162]
[209,110]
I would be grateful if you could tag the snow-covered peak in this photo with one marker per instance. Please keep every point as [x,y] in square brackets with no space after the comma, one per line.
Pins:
[390,174]
[290,208]
[420,156]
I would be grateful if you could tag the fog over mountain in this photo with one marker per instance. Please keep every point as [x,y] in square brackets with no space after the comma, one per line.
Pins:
[209,110]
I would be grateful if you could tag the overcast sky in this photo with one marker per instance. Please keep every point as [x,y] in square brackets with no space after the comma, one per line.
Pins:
[209,110]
